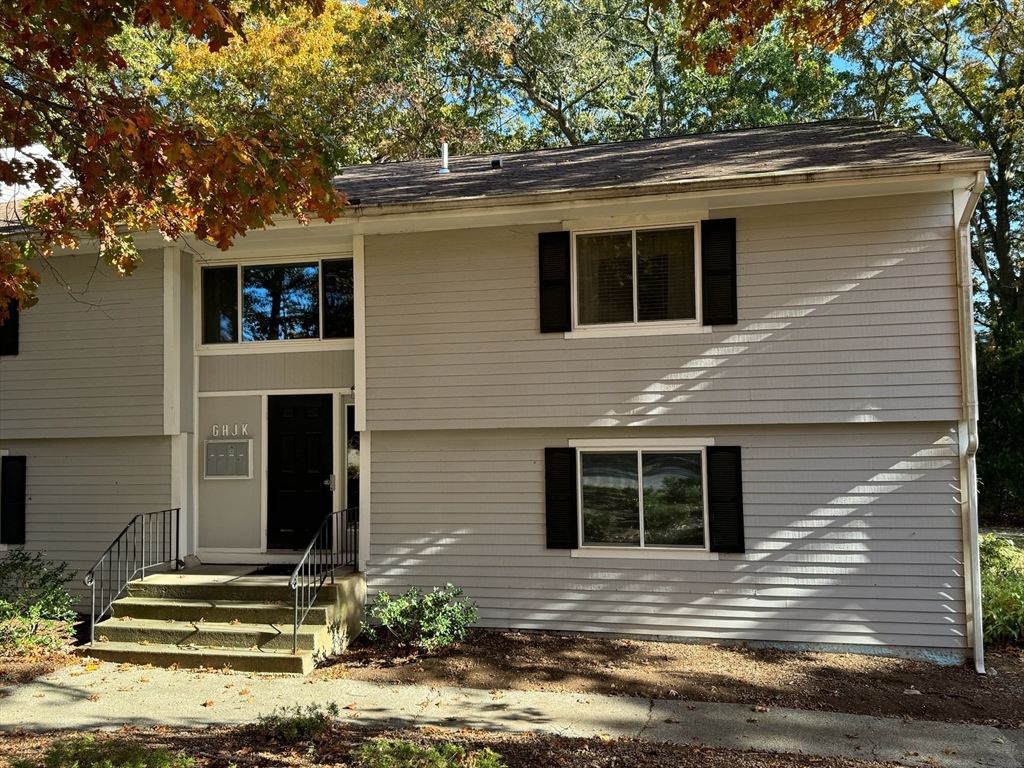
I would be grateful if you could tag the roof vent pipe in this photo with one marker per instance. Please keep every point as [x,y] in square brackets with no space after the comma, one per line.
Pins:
[444,158]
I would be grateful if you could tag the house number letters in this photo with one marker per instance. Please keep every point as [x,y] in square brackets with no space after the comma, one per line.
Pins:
[231,430]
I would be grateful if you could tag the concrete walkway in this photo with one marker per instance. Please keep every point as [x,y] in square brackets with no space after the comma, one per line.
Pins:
[103,695]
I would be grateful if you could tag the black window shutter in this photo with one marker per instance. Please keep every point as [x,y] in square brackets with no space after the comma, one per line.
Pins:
[555,287]
[560,497]
[12,500]
[718,271]
[725,499]
[9,331]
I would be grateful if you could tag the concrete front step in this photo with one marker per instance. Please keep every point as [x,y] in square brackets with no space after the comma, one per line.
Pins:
[213,634]
[242,621]
[181,586]
[263,612]
[280,662]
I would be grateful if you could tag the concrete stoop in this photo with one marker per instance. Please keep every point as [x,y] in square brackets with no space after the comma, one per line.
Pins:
[215,621]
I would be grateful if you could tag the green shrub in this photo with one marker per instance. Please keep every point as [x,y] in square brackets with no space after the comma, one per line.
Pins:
[88,752]
[427,621]
[35,606]
[32,587]
[1002,589]
[381,753]
[297,723]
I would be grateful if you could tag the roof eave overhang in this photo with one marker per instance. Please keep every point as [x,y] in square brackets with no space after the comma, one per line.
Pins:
[751,182]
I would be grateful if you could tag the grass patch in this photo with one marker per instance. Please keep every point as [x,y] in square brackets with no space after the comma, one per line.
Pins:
[382,753]
[297,724]
[89,752]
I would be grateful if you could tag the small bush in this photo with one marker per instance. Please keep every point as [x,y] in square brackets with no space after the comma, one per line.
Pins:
[428,621]
[88,752]
[1002,589]
[35,606]
[381,753]
[297,723]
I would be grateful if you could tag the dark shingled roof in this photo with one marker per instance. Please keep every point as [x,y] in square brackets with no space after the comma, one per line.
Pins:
[835,145]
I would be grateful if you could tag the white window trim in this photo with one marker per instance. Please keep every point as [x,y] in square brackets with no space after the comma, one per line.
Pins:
[241,347]
[689,445]
[637,328]
[3,452]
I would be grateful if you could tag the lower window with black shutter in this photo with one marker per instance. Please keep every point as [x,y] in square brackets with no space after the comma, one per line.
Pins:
[644,498]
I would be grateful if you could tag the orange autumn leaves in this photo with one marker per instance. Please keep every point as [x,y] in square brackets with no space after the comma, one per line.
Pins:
[128,164]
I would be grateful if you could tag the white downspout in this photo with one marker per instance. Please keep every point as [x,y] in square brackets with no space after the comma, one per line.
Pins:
[969,426]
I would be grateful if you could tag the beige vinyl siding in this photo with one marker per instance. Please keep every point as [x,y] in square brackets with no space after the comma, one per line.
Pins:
[80,493]
[91,358]
[330,369]
[853,535]
[847,313]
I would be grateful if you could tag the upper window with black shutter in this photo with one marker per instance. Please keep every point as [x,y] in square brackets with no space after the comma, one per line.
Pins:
[636,276]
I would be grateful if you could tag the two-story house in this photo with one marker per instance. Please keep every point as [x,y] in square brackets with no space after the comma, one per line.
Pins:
[717,386]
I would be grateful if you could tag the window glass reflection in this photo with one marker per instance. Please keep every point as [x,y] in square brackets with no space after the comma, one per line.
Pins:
[281,302]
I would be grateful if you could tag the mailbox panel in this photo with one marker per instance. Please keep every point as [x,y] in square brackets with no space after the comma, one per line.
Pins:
[228,460]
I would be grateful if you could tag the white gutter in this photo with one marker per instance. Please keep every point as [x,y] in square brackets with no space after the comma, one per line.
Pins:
[969,426]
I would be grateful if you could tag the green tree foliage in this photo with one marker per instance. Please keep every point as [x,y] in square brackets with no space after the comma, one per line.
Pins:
[957,73]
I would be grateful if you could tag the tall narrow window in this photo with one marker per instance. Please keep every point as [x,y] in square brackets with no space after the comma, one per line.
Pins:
[605,267]
[281,302]
[665,275]
[220,305]
[339,317]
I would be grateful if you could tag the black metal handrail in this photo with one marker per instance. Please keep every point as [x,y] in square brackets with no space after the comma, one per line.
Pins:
[149,541]
[334,545]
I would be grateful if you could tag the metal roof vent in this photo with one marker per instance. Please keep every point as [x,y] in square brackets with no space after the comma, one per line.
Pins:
[444,158]
[497,164]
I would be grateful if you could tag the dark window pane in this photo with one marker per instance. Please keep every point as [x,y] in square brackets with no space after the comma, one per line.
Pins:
[665,275]
[611,504]
[339,318]
[220,305]
[673,500]
[605,267]
[281,302]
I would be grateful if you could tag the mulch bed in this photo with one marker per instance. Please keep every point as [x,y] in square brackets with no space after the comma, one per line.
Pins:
[245,747]
[830,682]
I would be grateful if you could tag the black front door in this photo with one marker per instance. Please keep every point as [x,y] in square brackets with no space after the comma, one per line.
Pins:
[300,460]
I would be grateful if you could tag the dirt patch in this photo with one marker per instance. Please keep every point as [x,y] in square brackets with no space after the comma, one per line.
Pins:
[22,669]
[222,747]
[829,682]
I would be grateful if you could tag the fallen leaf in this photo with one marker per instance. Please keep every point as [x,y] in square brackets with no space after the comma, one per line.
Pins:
[207,703]
[949,751]
[353,705]
[91,667]
[125,618]
[94,697]
[235,622]
[243,692]
[760,708]
[671,720]
[143,679]
[38,695]
[912,692]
